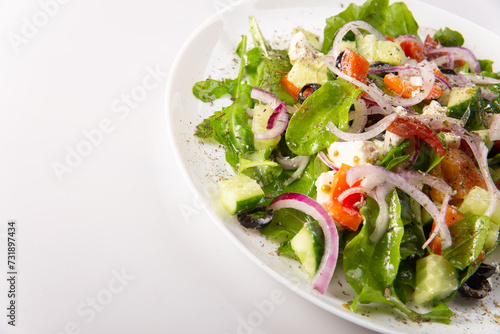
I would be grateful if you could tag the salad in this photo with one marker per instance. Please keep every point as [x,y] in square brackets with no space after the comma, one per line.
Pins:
[372,147]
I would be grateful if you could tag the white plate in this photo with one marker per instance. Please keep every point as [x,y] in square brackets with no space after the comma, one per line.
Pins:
[210,52]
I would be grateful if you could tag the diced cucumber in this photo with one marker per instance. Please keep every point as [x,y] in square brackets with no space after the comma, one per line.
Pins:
[375,50]
[239,193]
[261,114]
[309,245]
[348,45]
[311,37]
[306,70]
[467,99]
[436,279]
[476,203]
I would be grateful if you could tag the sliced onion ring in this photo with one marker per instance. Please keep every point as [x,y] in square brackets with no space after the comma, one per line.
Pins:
[376,175]
[265,97]
[309,206]
[327,161]
[276,125]
[442,186]
[373,132]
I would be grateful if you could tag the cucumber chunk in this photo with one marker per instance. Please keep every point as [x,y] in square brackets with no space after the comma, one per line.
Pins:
[375,50]
[436,279]
[261,114]
[239,193]
[467,100]
[309,245]
[475,203]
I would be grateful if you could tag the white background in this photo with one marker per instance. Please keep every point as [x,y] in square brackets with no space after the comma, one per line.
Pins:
[117,243]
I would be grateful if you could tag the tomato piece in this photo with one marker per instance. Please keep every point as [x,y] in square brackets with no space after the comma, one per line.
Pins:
[354,65]
[345,213]
[452,215]
[459,171]
[409,127]
[413,49]
[403,88]
[340,185]
[290,87]
[430,43]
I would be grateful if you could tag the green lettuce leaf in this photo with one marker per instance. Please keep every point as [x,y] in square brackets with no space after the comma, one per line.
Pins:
[448,37]
[307,133]
[393,20]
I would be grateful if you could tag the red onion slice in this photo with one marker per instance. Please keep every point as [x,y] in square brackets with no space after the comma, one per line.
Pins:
[480,80]
[265,97]
[455,53]
[447,190]
[276,125]
[291,163]
[309,206]
[354,26]
[384,100]
[373,132]
[302,166]
[378,175]
[322,156]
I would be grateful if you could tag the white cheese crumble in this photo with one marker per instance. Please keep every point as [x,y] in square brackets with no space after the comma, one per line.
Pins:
[352,153]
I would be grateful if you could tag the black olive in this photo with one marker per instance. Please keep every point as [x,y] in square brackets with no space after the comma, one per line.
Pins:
[312,86]
[447,71]
[339,59]
[485,270]
[256,218]
[379,64]
[477,286]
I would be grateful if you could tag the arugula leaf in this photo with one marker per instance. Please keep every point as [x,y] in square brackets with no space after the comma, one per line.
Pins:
[486,65]
[230,126]
[266,66]
[469,235]
[258,166]
[371,268]
[210,89]
[393,20]
[448,37]
[286,224]
[395,155]
[440,313]
[305,184]
[307,133]
[375,264]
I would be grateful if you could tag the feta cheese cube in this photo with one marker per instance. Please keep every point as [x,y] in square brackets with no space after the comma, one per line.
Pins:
[353,153]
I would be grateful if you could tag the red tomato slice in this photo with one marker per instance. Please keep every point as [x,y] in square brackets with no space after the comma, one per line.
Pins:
[452,215]
[345,213]
[413,49]
[409,127]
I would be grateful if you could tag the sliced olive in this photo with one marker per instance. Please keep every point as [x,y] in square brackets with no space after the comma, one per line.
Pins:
[307,90]
[475,288]
[447,71]
[339,59]
[485,270]
[257,218]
